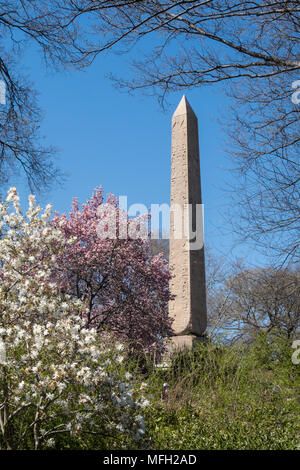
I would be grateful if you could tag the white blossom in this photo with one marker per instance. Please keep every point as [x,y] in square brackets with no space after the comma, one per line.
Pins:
[49,354]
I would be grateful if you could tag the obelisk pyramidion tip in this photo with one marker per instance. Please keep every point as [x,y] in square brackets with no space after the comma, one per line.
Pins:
[184,107]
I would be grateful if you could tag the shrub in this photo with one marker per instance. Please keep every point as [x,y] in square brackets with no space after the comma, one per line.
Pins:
[221,397]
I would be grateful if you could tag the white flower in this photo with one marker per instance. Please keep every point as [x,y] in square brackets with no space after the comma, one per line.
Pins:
[50,442]
[21,385]
[61,386]
[50,351]
[12,194]
[145,403]
[2,353]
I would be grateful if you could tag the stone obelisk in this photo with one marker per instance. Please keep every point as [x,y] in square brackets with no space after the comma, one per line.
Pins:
[188,309]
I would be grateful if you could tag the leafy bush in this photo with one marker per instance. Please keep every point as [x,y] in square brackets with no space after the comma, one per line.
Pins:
[220,397]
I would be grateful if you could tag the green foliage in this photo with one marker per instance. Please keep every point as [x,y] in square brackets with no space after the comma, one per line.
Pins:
[217,397]
[227,398]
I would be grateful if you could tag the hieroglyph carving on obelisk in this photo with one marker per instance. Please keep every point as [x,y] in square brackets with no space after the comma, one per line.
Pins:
[188,309]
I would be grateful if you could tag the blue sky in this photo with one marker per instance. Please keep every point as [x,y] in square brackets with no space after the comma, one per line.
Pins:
[122,142]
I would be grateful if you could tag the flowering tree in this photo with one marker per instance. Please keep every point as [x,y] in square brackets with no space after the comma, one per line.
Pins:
[125,287]
[56,376]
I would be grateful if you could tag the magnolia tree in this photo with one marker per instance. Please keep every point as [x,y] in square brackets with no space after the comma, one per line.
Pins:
[56,376]
[115,273]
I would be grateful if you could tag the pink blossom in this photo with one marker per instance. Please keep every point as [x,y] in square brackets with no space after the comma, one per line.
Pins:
[125,286]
